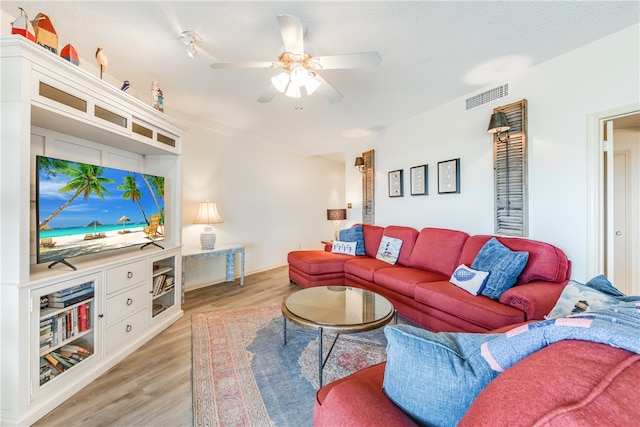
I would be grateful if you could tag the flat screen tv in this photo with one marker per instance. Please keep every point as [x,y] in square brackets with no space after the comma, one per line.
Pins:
[83,209]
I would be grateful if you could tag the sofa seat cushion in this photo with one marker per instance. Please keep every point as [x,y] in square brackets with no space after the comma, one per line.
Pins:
[364,267]
[318,262]
[358,400]
[565,384]
[404,279]
[438,250]
[480,310]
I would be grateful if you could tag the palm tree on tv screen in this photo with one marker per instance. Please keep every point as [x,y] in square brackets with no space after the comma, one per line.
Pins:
[85,180]
[132,192]
[156,188]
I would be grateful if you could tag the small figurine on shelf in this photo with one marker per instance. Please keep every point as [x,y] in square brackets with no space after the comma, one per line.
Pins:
[23,26]
[157,98]
[45,33]
[101,59]
[70,54]
[125,86]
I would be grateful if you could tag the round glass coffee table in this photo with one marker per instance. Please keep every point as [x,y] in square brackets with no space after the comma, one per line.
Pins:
[338,309]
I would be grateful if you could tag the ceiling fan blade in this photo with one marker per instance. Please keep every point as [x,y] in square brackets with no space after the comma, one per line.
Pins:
[247,64]
[292,33]
[352,60]
[268,95]
[329,92]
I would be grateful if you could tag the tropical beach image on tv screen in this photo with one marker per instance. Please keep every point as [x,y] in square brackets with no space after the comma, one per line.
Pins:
[83,208]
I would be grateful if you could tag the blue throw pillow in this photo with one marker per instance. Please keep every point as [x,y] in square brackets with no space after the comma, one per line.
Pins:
[354,234]
[503,264]
[434,377]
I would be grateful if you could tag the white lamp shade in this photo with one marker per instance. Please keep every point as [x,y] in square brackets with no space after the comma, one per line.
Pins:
[208,214]
[280,81]
[311,85]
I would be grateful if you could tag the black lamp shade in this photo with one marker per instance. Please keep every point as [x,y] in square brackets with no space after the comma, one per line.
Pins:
[336,214]
[359,162]
[498,123]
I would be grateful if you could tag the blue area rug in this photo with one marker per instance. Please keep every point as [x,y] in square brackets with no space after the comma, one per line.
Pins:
[243,374]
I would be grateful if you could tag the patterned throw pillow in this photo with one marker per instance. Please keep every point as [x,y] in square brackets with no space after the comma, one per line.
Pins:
[389,249]
[347,248]
[503,264]
[576,298]
[468,279]
[354,234]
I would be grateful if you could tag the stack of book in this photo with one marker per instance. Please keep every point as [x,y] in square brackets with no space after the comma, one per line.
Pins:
[162,283]
[58,361]
[71,296]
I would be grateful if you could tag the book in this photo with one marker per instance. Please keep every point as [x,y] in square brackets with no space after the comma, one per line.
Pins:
[70,302]
[54,362]
[72,289]
[75,349]
[82,321]
[61,360]
[67,297]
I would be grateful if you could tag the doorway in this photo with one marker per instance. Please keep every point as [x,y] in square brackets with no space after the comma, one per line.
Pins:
[615,181]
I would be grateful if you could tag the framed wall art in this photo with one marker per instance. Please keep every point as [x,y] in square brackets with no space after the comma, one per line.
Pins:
[395,184]
[420,180]
[449,176]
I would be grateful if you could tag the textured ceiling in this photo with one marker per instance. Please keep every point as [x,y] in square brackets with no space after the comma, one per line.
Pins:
[429,52]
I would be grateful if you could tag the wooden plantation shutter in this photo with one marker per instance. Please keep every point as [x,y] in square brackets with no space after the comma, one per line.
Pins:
[368,176]
[510,173]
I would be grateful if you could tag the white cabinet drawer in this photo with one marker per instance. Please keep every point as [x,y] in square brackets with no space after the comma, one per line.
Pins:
[126,331]
[126,303]
[126,275]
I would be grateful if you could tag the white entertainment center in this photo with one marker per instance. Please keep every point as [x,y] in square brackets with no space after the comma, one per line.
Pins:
[52,107]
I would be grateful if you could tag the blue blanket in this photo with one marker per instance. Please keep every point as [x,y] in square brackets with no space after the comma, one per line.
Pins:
[617,326]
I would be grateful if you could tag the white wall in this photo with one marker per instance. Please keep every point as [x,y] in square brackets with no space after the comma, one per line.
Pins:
[271,200]
[561,93]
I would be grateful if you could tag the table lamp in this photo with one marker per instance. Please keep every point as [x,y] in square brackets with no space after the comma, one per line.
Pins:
[208,214]
[336,215]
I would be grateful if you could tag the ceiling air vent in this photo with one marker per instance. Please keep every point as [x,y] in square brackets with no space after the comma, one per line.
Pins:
[486,97]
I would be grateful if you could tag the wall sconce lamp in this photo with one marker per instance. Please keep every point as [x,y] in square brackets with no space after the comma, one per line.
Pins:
[360,164]
[208,214]
[190,38]
[499,125]
[336,215]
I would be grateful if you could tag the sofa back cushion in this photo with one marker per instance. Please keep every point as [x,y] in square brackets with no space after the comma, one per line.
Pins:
[546,262]
[438,250]
[372,237]
[408,236]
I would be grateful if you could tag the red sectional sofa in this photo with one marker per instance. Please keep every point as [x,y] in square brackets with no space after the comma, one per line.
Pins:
[568,383]
[418,284]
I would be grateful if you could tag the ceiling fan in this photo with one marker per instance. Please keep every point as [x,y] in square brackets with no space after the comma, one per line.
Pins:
[299,68]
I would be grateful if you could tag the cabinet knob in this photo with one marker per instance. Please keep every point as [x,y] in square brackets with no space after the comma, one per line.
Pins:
[128,329]
[129,274]
[101,315]
[129,301]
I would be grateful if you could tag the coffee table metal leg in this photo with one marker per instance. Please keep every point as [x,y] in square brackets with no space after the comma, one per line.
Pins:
[284,329]
[320,363]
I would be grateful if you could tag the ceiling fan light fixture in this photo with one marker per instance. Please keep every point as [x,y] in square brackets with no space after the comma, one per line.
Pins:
[299,76]
[190,38]
[311,85]
[280,82]
[292,91]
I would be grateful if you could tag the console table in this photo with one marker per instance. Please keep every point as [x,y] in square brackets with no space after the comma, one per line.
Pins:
[229,251]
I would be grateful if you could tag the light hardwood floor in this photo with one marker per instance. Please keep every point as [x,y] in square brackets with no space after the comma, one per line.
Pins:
[152,386]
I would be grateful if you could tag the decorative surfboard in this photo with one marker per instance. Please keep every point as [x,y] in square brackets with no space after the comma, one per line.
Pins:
[22,26]
[70,54]
[46,35]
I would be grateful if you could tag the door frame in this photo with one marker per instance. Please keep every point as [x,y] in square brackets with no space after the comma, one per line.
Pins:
[596,196]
